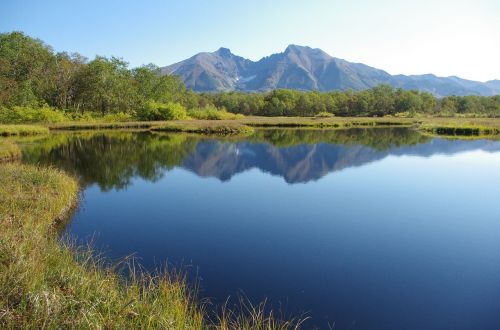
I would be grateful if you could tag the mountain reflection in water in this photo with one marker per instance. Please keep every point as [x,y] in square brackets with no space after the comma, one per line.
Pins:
[402,243]
[112,159]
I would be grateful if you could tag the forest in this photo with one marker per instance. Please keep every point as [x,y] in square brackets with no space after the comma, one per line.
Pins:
[38,84]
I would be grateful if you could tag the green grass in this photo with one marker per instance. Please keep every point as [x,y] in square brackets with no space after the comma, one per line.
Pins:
[46,283]
[6,130]
[205,127]
[324,122]
[466,127]
[447,126]
[99,125]
[9,150]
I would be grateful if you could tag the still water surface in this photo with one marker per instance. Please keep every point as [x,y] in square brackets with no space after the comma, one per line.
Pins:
[364,229]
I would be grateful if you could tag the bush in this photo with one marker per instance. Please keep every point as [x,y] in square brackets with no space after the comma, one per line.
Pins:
[404,114]
[162,111]
[212,113]
[324,114]
[118,117]
[86,116]
[19,115]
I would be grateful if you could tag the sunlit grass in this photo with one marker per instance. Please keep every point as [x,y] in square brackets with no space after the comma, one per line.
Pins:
[9,150]
[206,127]
[44,284]
[246,316]
[461,126]
[6,130]
[239,125]
[212,113]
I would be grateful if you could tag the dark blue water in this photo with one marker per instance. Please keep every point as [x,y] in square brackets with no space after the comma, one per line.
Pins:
[364,229]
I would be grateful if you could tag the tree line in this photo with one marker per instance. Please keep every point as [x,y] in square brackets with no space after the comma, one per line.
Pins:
[35,77]
[381,100]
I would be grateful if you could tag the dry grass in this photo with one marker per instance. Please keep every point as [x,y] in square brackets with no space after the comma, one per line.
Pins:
[44,284]
[246,316]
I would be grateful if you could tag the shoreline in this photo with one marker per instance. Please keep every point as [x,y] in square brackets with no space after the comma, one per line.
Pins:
[59,285]
[437,126]
[450,127]
[65,275]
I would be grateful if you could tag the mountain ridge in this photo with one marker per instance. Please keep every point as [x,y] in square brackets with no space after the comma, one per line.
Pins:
[306,68]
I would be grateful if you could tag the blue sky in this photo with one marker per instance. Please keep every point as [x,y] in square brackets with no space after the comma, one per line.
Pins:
[443,37]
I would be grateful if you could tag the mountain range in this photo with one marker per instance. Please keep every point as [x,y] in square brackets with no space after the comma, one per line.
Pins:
[305,68]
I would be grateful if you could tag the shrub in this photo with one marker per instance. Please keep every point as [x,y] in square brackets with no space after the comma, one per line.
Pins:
[86,116]
[212,113]
[118,117]
[405,114]
[162,111]
[324,114]
[19,115]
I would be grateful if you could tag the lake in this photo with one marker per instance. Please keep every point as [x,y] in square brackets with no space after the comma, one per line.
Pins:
[361,228]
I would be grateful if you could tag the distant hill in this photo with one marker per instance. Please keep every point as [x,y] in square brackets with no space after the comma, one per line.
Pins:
[305,68]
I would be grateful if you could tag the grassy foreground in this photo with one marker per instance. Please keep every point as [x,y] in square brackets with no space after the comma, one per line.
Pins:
[44,284]
[47,284]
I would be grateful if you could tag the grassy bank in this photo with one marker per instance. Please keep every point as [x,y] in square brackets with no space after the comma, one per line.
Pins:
[99,125]
[236,126]
[9,150]
[325,122]
[205,127]
[22,130]
[461,126]
[47,284]
[451,126]
[432,125]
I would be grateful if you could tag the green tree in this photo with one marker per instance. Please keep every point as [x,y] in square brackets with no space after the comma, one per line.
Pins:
[154,86]
[24,68]
[106,85]
[65,69]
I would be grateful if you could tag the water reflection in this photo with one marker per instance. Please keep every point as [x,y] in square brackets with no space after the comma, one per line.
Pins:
[112,159]
[402,243]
